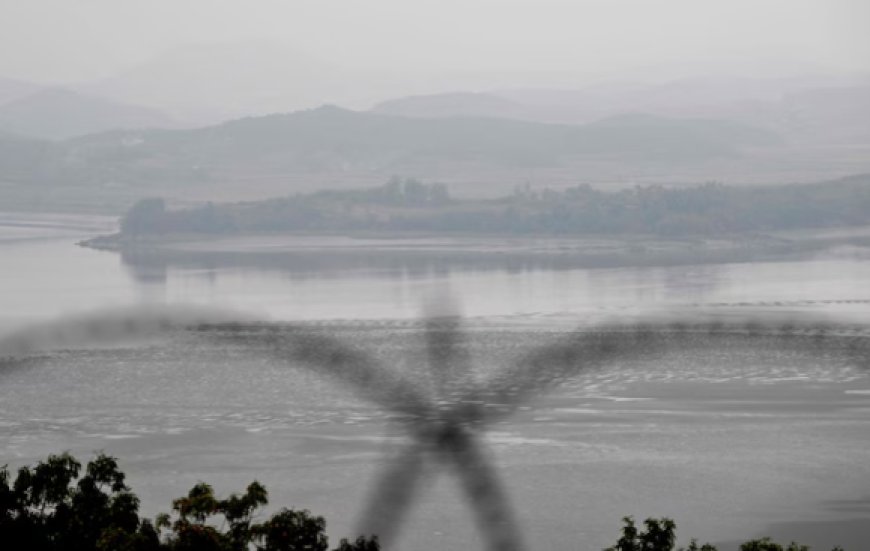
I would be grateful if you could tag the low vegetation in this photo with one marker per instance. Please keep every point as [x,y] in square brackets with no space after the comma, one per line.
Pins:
[55,506]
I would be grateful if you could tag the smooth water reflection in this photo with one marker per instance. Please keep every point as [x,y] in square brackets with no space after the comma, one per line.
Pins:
[353,284]
[44,274]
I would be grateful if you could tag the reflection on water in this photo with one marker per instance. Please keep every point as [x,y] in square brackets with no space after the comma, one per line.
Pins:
[339,278]
[378,283]
[723,440]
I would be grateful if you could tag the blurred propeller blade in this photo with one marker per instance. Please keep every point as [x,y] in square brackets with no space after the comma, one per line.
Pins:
[393,494]
[484,491]
[110,326]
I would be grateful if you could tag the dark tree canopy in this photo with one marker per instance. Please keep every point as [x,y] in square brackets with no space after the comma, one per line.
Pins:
[49,508]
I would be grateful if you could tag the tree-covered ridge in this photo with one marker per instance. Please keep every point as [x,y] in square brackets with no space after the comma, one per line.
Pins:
[409,205]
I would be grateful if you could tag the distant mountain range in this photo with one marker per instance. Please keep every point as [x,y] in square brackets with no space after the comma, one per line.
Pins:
[337,141]
[56,113]
[174,126]
[456,104]
[205,84]
[209,83]
[12,89]
[806,110]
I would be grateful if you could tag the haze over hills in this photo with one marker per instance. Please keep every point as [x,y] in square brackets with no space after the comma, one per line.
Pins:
[334,147]
[210,83]
[338,141]
[839,116]
[56,113]
[813,110]
[12,89]
[479,144]
[456,104]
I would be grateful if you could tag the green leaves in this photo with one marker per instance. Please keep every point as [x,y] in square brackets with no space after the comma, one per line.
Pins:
[47,485]
[660,535]
[290,530]
[45,509]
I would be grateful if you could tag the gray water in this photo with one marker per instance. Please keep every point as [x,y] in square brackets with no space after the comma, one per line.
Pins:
[727,441]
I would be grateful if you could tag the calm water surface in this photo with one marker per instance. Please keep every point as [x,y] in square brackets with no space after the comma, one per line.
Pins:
[727,441]
[44,275]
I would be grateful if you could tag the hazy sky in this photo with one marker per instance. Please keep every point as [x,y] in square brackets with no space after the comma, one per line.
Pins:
[77,40]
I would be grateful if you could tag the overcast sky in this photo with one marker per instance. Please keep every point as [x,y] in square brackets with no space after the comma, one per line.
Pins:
[78,40]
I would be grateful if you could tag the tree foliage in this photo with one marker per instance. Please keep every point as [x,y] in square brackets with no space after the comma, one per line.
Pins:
[49,508]
[409,205]
[766,544]
[657,535]
[661,535]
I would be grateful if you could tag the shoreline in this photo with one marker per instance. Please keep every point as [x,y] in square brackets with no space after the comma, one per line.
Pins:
[553,252]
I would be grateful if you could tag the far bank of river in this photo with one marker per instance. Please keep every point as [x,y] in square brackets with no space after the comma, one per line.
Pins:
[492,251]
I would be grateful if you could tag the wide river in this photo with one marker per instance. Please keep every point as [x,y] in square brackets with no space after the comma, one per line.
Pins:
[731,441]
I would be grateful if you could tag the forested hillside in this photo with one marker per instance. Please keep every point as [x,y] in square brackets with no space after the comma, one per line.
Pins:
[409,205]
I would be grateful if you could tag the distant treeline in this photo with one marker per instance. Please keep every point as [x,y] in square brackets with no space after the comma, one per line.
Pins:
[409,205]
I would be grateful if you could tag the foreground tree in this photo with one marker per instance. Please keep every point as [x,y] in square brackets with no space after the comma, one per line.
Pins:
[42,510]
[45,509]
[290,530]
[49,508]
[660,535]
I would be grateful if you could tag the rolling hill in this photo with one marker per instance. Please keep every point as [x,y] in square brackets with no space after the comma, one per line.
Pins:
[330,138]
[327,147]
[826,111]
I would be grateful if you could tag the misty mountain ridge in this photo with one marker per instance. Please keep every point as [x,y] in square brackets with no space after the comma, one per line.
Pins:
[333,138]
[814,110]
[329,147]
[56,113]
[454,104]
[208,83]
[12,89]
